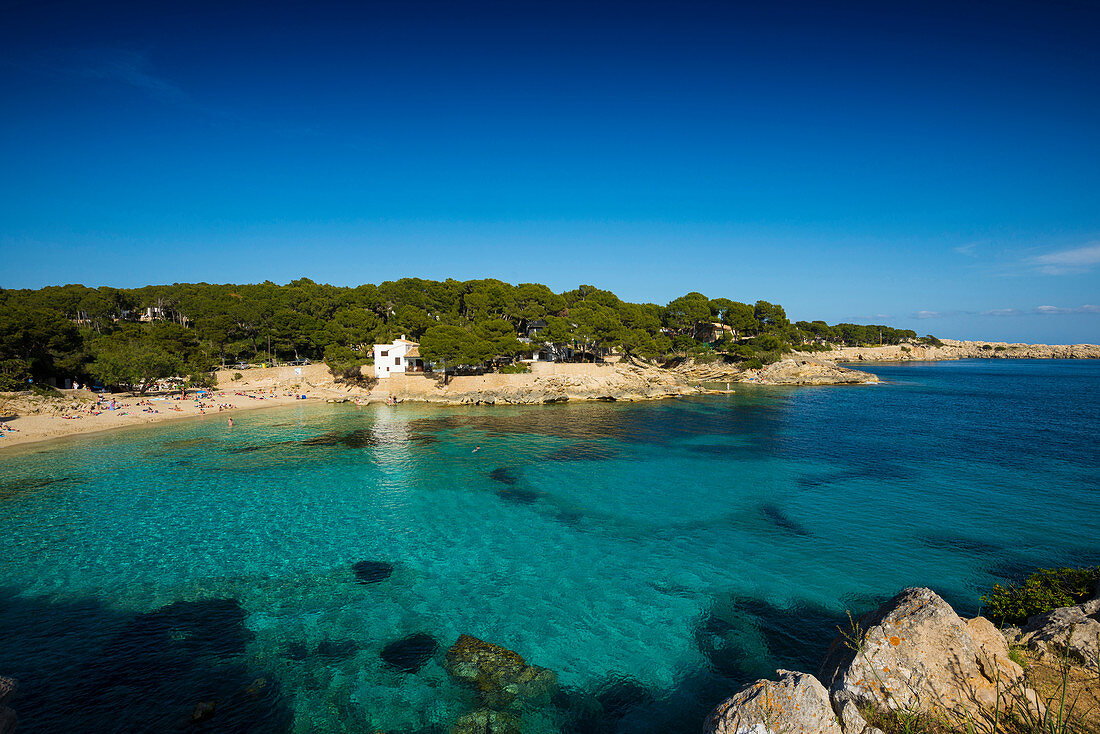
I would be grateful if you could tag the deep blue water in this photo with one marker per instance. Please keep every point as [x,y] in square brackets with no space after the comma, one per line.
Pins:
[655,555]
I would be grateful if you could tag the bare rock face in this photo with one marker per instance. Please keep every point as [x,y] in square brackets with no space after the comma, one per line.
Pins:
[914,654]
[804,371]
[797,703]
[500,676]
[1073,630]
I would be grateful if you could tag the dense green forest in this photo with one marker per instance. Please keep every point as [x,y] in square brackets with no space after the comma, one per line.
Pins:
[133,336]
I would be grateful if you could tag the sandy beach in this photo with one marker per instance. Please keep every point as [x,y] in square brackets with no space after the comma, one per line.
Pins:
[79,412]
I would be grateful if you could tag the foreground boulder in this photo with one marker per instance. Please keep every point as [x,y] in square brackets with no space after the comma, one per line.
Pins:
[501,677]
[1068,630]
[797,703]
[915,655]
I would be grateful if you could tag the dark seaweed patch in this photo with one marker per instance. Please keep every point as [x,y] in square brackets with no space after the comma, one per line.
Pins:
[363,438]
[372,572]
[244,449]
[409,654]
[10,490]
[519,495]
[607,708]
[780,520]
[504,475]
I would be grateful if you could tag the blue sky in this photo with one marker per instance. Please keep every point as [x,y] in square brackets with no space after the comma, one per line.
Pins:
[930,166]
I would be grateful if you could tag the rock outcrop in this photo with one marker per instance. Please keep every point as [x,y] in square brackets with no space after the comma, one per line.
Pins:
[8,719]
[797,703]
[952,349]
[546,383]
[501,677]
[806,371]
[1072,630]
[914,654]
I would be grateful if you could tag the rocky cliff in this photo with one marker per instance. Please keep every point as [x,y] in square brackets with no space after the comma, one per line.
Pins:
[953,349]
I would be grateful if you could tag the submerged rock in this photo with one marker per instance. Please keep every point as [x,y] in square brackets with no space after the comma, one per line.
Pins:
[914,654]
[797,702]
[409,654]
[203,710]
[487,721]
[502,677]
[372,572]
[619,697]
[8,719]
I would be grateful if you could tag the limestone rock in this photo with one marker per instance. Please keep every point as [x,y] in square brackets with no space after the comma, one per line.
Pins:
[7,689]
[502,677]
[8,720]
[915,654]
[797,703]
[487,721]
[1075,630]
[804,371]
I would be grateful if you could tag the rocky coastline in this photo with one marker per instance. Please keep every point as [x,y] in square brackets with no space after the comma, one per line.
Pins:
[951,349]
[914,659]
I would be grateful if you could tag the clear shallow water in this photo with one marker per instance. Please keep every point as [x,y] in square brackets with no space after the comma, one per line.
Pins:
[654,555]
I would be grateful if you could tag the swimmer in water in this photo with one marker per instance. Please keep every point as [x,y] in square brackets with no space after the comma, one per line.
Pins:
[476,450]
[230,422]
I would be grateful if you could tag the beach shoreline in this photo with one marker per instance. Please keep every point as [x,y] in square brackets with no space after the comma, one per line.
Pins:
[37,418]
[56,419]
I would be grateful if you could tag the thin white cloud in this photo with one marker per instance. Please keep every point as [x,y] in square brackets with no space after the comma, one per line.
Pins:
[1043,311]
[131,68]
[1065,262]
[1056,310]
[968,249]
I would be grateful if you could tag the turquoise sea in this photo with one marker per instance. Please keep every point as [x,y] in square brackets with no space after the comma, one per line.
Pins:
[655,555]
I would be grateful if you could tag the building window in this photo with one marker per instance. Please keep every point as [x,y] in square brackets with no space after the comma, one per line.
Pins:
[385,352]
[397,360]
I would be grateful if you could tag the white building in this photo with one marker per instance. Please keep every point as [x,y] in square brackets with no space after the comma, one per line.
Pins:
[401,356]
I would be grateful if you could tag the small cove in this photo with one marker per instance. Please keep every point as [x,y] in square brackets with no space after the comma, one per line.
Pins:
[655,555]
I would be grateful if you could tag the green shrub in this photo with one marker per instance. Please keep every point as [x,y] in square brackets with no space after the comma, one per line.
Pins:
[753,364]
[48,391]
[1042,591]
[237,375]
[515,369]
[999,349]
